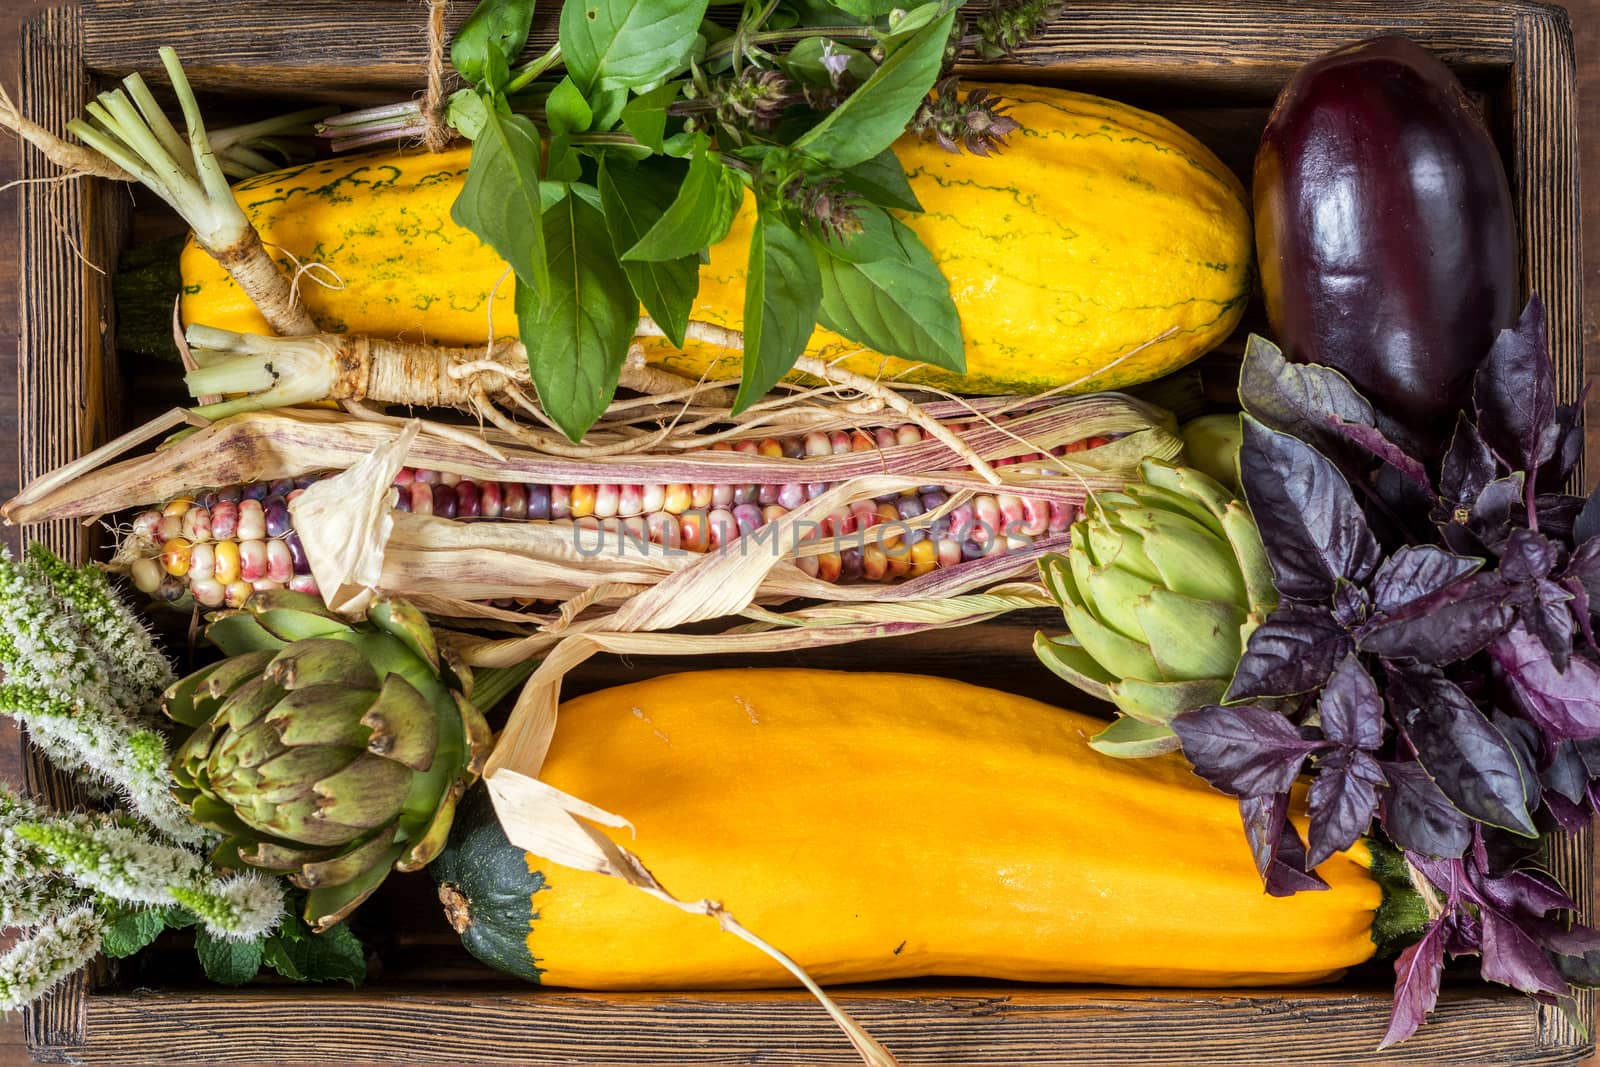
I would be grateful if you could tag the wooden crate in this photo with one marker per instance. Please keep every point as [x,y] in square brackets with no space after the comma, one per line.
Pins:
[1214,66]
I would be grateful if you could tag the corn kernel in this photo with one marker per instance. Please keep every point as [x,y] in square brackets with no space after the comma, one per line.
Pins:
[468,504]
[677,499]
[653,498]
[491,500]
[770,447]
[252,520]
[175,557]
[280,562]
[444,501]
[925,557]
[663,527]
[630,501]
[202,562]
[721,527]
[692,532]
[560,502]
[234,594]
[197,524]
[606,500]
[178,506]
[226,568]
[146,575]
[580,501]
[514,501]
[208,594]
[252,560]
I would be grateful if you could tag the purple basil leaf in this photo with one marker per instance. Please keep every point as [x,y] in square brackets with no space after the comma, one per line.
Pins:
[1416,571]
[1420,818]
[1553,475]
[1526,892]
[1244,751]
[1515,393]
[1372,440]
[1351,707]
[1584,566]
[1313,529]
[1344,797]
[1293,651]
[1544,612]
[1569,816]
[1279,853]
[1525,744]
[1492,513]
[1468,465]
[1350,603]
[1558,513]
[1566,774]
[1416,984]
[1565,705]
[1299,398]
[1589,752]
[1512,958]
[1581,609]
[1574,949]
[1470,760]
[1463,935]
[1527,556]
[1587,525]
[1450,625]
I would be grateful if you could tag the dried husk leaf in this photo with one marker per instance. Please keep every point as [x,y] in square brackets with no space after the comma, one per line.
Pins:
[291,442]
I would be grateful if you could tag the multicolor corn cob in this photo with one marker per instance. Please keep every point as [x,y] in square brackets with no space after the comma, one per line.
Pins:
[222,546]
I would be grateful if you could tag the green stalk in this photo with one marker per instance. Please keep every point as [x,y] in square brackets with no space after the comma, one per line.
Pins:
[529,72]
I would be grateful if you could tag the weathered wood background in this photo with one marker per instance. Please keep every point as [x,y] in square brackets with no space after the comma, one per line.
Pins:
[1586,21]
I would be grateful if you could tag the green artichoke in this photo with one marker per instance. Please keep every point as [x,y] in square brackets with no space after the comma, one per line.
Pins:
[326,750]
[1161,588]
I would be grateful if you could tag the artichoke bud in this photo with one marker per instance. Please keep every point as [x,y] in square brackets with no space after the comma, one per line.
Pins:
[323,749]
[1161,588]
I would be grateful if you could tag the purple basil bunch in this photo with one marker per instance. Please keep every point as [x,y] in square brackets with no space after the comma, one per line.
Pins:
[1432,664]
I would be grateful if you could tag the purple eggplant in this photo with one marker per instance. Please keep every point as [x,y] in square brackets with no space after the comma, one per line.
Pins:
[1385,231]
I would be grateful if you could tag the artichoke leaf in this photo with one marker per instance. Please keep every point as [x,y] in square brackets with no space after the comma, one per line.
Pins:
[1109,593]
[351,863]
[301,820]
[295,617]
[1119,656]
[1131,739]
[331,904]
[323,715]
[322,660]
[367,793]
[193,700]
[249,704]
[1158,703]
[479,736]
[1189,560]
[1056,572]
[404,725]
[400,619]
[1190,638]
[239,751]
[1067,659]
[278,856]
[1153,496]
[1251,556]
[433,839]
[238,632]
[1190,483]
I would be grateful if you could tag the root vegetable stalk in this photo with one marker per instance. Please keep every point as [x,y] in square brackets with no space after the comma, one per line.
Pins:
[129,129]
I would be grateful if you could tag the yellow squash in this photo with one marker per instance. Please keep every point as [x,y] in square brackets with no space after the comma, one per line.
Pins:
[1097,230]
[880,826]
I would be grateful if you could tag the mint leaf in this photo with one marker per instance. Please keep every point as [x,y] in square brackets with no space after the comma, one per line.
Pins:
[132,931]
[227,962]
[645,116]
[500,198]
[873,116]
[896,303]
[634,198]
[577,336]
[497,27]
[699,216]
[882,180]
[782,291]
[565,109]
[627,44]
[299,955]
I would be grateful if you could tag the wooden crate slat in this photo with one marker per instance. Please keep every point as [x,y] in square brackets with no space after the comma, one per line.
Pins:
[1246,46]
[1545,177]
[966,1026]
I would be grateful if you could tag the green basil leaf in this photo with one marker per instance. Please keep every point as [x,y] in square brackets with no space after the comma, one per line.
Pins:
[902,29]
[882,180]
[495,27]
[782,290]
[627,44]
[227,962]
[700,214]
[496,76]
[806,61]
[565,109]
[577,335]
[500,199]
[634,197]
[874,115]
[561,163]
[608,105]
[132,931]
[877,239]
[898,304]
[645,116]
[865,10]
[466,113]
